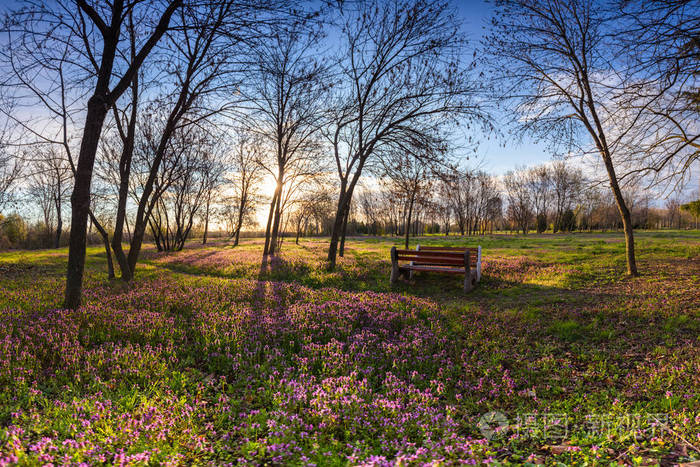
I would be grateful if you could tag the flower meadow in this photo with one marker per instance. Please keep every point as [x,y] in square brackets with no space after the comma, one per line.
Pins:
[211,369]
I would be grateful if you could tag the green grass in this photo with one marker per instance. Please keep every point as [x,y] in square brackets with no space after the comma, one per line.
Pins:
[555,327]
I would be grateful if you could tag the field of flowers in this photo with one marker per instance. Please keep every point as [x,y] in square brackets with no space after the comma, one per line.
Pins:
[211,357]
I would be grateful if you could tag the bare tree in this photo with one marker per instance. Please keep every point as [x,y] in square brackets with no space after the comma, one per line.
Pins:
[9,169]
[200,76]
[494,211]
[410,175]
[467,193]
[566,189]
[213,167]
[51,73]
[551,59]
[245,179]
[314,205]
[370,207]
[190,162]
[519,201]
[443,204]
[486,191]
[48,185]
[461,193]
[285,90]
[400,79]
[109,24]
[673,208]
[539,182]
[125,120]
[663,80]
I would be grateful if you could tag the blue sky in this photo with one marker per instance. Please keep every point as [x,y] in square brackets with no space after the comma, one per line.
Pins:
[493,156]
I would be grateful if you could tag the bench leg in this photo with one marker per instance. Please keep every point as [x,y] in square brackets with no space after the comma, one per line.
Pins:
[394,266]
[467,272]
[478,264]
[468,282]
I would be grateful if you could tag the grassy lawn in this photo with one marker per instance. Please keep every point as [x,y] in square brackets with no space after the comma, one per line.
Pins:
[212,357]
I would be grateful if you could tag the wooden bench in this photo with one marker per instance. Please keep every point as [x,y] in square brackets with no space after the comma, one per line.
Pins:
[446,261]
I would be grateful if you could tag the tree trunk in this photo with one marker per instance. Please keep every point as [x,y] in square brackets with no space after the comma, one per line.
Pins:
[336,230]
[80,200]
[276,225]
[105,240]
[625,215]
[128,230]
[241,210]
[117,238]
[341,253]
[145,207]
[408,220]
[124,174]
[59,222]
[206,220]
[271,214]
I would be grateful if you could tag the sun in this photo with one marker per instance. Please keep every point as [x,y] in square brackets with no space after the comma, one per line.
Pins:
[267,190]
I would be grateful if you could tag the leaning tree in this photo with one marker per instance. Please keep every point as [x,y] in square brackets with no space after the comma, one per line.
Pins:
[553,62]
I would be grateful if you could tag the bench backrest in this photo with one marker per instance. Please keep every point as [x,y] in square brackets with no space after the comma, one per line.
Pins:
[433,257]
[475,254]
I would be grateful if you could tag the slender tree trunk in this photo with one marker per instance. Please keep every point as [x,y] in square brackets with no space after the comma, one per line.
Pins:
[124,174]
[143,215]
[156,236]
[238,233]
[117,238]
[59,222]
[80,200]
[59,229]
[128,229]
[146,204]
[206,220]
[105,240]
[408,220]
[341,252]
[135,247]
[625,215]
[270,216]
[335,234]
[239,224]
[274,236]
[348,197]
[121,219]
[337,227]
